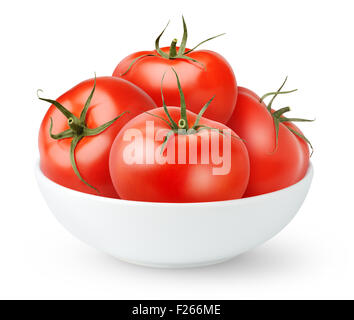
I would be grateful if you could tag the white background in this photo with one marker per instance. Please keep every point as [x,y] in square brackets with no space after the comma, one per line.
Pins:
[55,44]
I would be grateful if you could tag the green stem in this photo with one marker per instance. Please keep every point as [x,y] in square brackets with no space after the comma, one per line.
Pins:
[182,47]
[76,126]
[173,50]
[280,112]
[269,107]
[181,54]
[173,54]
[182,102]
[279,118]
[275,93]
[78,129]
[182,124]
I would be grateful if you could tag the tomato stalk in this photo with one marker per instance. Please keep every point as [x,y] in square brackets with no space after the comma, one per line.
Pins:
[77,129]
[75,125]
[173,53]
[182,127]
[173,49]
[278,115]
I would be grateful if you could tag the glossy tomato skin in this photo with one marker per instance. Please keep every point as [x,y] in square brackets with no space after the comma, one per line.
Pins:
[198,83]
[177,182]
[111,98]
[270,169]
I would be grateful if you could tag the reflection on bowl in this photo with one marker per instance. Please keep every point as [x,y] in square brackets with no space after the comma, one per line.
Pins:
[173,234]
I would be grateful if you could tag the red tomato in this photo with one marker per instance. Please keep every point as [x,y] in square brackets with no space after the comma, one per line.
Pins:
[110,99]
[201,72]
[273,165]
[176,182]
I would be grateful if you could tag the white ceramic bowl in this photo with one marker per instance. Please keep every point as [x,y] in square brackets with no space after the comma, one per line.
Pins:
[171,234]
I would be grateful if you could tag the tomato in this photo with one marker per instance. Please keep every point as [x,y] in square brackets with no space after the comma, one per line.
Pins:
[175,182]
[201,72]
[173,155]
[76,154]
[275,163]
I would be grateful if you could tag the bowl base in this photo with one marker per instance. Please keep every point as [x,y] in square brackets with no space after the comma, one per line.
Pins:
[175,265]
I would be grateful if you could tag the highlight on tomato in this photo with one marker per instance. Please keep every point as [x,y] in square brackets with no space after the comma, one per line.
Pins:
[171,154]
[79,128]
[201,72]
[278,150]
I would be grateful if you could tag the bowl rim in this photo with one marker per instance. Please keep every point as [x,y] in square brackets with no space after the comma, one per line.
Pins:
[40,175]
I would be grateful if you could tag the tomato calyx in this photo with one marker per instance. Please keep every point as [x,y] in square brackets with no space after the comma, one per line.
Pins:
[181,53]
[182,127]
[278,116]
[77,129]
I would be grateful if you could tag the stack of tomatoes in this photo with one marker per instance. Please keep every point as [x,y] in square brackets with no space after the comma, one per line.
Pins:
[171,125]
